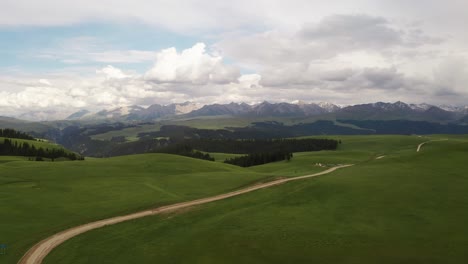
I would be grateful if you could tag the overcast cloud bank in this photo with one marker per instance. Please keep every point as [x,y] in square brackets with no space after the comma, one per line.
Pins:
[277,52]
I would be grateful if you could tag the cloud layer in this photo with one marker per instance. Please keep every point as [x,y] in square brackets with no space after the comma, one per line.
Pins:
[277,51]
[193,66]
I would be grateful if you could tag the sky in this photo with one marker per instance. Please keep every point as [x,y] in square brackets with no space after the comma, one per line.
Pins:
[60,56]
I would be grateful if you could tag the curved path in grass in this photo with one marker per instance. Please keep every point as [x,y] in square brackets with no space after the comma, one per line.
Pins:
[38,252]
[422,144]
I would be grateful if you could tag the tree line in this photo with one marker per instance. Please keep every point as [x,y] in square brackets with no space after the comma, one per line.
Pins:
[185,150]
[11,133]
[258,151]
[259,158]
[10,148]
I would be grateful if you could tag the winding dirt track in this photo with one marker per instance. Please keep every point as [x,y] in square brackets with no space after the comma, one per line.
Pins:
[38,252]
[422,144]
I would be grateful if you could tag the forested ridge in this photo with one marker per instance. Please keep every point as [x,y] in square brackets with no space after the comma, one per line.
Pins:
[11,133]
[185,150]
[11,147]
[258,151]
[266,151]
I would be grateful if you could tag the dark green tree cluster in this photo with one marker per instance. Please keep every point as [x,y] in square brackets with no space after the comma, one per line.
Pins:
[257,130]
[259,158]
[260,151]
[185,150]
[10,148]
[11,133]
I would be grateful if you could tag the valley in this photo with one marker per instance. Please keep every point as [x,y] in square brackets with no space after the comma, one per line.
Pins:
[407,206]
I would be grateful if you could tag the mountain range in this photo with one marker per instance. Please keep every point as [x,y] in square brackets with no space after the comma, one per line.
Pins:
[83,130]
[371,111]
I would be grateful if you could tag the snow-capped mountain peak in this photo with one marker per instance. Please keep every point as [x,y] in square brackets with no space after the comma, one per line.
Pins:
[298,102]
[186,107]
[453,108]
[123,110]
[420,107]
[329,107]
[79,115]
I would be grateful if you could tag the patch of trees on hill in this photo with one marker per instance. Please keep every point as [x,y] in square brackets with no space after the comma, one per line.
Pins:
[185,150]
[259,151]
[11,133]
[15,148]
[259,158]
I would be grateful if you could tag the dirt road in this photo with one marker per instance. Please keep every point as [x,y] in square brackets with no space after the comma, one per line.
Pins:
[38,252]
[422,144]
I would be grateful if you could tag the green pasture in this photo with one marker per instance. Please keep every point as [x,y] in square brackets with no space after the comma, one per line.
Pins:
[407,207]
[40,199]
[5,159]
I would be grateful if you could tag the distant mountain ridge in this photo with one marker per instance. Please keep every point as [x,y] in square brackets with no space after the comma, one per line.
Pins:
[396,111]
[264,120]
[371,111]
[135,112]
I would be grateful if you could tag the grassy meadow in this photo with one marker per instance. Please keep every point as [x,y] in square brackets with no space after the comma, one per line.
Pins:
[397,207]
[407,207]
[41,198]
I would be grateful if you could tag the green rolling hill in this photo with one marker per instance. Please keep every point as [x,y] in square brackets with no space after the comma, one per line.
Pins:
[405,198]
[406,207]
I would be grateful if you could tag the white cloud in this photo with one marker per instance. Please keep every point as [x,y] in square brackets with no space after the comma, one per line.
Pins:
[192,65]
[111,72]
[40,96]
[44,81]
